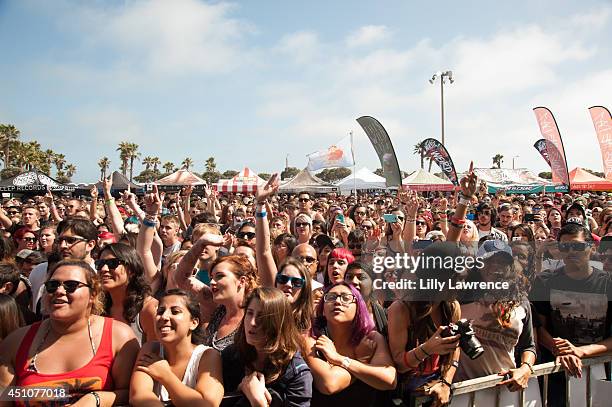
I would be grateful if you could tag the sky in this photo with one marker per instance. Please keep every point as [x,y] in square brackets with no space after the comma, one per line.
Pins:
[252,82]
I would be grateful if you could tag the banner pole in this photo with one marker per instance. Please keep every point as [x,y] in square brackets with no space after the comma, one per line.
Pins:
[354,164]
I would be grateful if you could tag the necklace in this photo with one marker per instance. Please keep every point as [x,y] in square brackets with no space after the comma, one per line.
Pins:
[32,365]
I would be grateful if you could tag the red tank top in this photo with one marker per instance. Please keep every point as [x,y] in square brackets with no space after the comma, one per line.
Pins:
[95,375]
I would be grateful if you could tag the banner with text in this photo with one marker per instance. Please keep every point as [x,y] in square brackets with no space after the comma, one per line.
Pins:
[550,131]
[382,144]
[603,127]
[437,152]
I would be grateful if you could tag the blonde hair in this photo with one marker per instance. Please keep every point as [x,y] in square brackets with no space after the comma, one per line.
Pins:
[201,229]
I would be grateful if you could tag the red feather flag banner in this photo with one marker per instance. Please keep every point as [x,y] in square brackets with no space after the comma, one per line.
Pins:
[603,127]
[550,132]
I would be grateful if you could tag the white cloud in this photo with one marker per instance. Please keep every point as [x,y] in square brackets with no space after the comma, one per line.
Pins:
[163,37]
[302,47]
[368,35]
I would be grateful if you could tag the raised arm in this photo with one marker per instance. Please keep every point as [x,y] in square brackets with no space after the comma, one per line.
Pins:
[51,203]
[410,202]
[93,206]
[468,189]
[111,209]
[5,220]
[145,239]
[186,203]
[266,267]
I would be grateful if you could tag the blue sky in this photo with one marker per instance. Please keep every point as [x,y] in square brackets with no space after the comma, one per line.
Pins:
[249,82]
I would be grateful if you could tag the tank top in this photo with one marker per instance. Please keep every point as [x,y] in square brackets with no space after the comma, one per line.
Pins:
[190,377]
[95,375]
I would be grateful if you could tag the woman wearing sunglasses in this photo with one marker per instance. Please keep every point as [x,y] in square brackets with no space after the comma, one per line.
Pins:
[85,359]
[25,239]
[176,368]
[349,360]
[264,366]
[127,295]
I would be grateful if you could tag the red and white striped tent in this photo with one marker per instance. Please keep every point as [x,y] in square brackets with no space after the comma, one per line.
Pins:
[245,182]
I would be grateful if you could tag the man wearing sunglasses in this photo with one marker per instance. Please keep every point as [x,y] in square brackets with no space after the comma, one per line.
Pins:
[76,239]
[308,256]
[29,218]
[305,203]
[486,217]
[573,304]
[246,234]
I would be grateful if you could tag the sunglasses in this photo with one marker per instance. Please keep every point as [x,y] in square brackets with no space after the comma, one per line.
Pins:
[367,227]
[29,239]
[301,224]
[419,222]
[362,213]
[485,213]
[70,240]
[304,199]
[345,298]
[111,263]
[296,282]
[575,246]
[70,286]
[12,212]
[307,259]
[245,235]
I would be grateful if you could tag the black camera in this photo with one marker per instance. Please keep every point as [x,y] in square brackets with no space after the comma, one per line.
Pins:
[468,341]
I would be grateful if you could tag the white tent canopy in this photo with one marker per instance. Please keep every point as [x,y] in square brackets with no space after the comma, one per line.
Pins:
[421,180]
[364,179]
[305,181]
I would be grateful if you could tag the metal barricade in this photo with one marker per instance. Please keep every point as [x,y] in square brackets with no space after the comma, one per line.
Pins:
[474,385]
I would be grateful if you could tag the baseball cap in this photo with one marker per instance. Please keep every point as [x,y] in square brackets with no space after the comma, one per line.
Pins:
[491,248]
[24,253]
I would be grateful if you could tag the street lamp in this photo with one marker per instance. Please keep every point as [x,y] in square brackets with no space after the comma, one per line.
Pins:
[513,157]
[442,76]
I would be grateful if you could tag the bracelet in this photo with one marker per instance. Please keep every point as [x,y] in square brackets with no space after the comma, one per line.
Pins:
[261,214]
[416,357]
[528,365]
[464,201]
[149,223]
[346,362]
[442,215]
[97,397]
[444,381]
[458,221]
[424,351]
[455,364]
[109,200]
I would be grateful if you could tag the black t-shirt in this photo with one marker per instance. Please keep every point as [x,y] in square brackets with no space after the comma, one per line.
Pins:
[577,310]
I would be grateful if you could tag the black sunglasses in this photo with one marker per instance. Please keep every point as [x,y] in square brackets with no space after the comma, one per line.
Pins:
[70,286]
[575,246]
[304,199]
[70,240]
[245,235]
[420,223]
[301,224]
[111,263]
[29,239]
[307,259]
[296,282]
[12,212]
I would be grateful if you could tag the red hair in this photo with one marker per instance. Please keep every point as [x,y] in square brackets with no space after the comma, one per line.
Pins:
[342,253]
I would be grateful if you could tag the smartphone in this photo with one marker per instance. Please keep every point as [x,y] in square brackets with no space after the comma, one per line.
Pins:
[470,216]
[530,217]
[340,218]
[421,244]
[390,217]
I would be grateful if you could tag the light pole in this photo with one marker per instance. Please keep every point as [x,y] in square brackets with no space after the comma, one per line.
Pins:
[513,157]
[442,76]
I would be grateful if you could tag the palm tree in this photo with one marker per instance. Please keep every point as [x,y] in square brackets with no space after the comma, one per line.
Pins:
[148,162]
[59,160]
[133,154]
[155,162]
[418,149]
[104,163]
[498,159]
[168,167]
[48,160]
[124,148]
[70,171]
[187,162]
[8,135]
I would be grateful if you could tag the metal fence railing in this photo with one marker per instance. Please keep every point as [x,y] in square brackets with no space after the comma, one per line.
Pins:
[472,386]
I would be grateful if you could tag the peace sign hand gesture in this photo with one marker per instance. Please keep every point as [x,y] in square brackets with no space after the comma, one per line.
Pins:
[269,189]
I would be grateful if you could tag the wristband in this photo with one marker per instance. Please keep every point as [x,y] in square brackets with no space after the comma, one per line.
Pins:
[528,365]
[444,381]
[97,397]
[443,215]
[464,201]
[109,200]
[149,223]
[455,364]
[457,221]
[346,362]
[261,214]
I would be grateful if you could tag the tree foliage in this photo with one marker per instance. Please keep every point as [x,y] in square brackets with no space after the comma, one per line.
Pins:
[264,175]
[596,173]
[545,175]
[334,174]
[289,172]
[211,175]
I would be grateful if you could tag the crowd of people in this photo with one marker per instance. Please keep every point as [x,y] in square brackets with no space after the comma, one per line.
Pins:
[271,299]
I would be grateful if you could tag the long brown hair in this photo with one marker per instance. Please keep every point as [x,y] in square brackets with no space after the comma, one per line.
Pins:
[303,311]
[10,316]
[282,338]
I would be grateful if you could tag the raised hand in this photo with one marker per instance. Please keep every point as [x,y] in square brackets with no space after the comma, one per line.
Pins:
[153,202]
[268,190]
[107,184]
[468,183]
[94,193]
